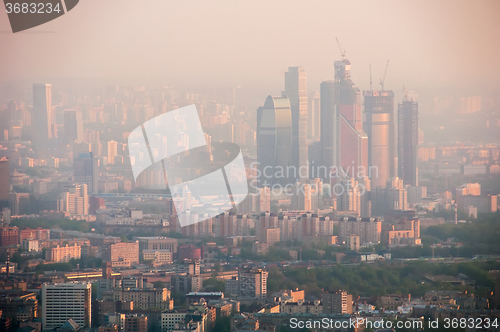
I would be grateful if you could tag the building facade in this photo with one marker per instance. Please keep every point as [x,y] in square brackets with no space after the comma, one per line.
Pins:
[61,302]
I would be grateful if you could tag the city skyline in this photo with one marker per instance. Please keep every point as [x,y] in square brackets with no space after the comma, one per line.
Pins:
[215,166]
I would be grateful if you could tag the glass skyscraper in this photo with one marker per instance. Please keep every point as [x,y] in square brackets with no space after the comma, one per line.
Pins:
[296,91]
[274,142]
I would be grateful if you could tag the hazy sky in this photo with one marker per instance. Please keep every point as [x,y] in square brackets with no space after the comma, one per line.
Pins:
[429,43]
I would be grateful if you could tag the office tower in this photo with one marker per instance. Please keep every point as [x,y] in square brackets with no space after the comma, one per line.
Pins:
[330,127]
[379,126]
[112,151]
[296,91]
[353,140]
[314,114]
[75,200]
[73,126]
[42,114]
[86,171]
[274,142]
[61,302]
[408,141]
[338,302]
[4,183]
[252,283]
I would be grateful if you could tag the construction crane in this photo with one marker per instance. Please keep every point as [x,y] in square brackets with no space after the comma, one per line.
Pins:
[342,53]
[382,80]
[371,77]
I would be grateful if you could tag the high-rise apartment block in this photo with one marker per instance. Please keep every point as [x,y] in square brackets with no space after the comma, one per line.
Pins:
[61,302]
[112,151]
[75,200]
[252,283]
[4,183]
[338,302]
[368,229]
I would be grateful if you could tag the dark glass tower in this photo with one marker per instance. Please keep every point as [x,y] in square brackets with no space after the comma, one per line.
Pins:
[408,141]
[86,171]
[274,142]
[296,91]
[330,129]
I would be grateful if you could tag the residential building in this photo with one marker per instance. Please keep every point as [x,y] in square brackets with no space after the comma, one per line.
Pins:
[9,236]
[136,323]
[157,242]
[74,200]
[63,254]
[61,302]
[121,254]
[160,256]
[144,298]
[252,283]
[337,302]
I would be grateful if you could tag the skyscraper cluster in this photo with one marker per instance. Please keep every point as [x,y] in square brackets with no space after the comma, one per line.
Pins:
[331,138]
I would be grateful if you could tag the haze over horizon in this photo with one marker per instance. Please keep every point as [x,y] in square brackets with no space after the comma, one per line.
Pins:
[430,45]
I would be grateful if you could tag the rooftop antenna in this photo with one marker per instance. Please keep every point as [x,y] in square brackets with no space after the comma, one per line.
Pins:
[342,53]
[371,77]
[405,93]
[382,80]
